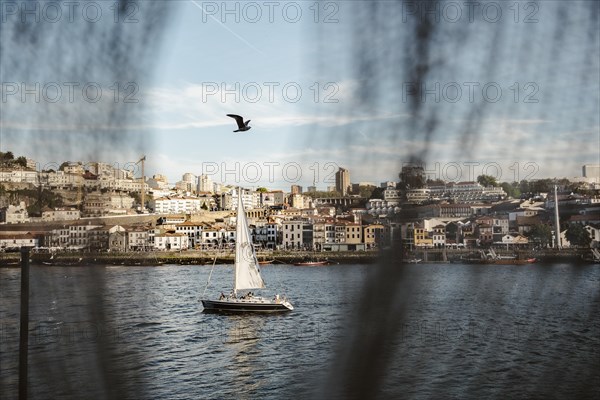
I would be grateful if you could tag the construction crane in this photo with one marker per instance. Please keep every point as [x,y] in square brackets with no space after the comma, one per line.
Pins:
[141,160]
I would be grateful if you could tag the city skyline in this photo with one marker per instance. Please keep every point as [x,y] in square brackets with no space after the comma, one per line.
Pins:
[282,176]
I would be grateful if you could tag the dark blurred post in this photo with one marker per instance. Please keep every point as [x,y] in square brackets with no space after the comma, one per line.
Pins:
[24,326]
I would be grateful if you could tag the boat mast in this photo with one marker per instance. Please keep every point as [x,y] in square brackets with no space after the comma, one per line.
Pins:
[556,220]
[237,239]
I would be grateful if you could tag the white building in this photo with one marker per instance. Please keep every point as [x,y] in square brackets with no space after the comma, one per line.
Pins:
[61,214]
[205,184]
[187,183]
[79,235]
[417,196]
[61,179]
[170,241]
[470,192]
[14,214]
[192,230]
[592,171]
[392,195]
[179,204]
[229,200]
[215,236]
[301,201]
[98,204]
[382,207]
[292,234]
[138,239]
[15,241]
[19,176]
[266,235]
[58,237]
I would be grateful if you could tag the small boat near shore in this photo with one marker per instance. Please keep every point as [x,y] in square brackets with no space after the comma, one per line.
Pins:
[311,263]
[509,261]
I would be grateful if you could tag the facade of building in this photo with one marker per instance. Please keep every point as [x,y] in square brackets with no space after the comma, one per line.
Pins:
[14,214]
[342,181]
[170,241]
[99,204]
[138,239]
[180,204]
[61,214]
[292,235]
[15,241]
[296,189]
[205,184]
[192,230]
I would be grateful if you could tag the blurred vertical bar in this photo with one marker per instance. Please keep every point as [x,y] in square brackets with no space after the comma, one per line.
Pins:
[24,326]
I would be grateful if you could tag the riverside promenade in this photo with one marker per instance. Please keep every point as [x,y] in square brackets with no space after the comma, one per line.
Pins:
[197,257]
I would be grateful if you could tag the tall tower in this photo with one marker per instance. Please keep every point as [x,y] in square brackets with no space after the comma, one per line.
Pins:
[342,181]
[296,189]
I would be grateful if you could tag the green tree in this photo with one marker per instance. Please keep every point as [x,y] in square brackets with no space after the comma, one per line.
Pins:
[436,182]
[319,194]
[377,193]
[366,191]
[8,156]
[524,186]
[411,177]
[541,186]
[541,234]
[39,199]
[511,189]
[578,236]
[262,190]
[22,161]
[487,180]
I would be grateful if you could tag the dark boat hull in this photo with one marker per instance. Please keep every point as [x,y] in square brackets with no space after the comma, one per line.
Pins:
[311,263]
[232,306]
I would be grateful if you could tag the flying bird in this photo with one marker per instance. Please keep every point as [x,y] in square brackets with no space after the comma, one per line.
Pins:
[242,126]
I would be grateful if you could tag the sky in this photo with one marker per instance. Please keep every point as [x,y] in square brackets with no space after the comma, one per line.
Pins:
[291,68]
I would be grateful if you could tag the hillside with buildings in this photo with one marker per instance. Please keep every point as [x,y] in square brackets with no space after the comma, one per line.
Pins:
[97,207]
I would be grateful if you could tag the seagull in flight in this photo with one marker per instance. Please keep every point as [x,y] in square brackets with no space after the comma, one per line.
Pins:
[242,126]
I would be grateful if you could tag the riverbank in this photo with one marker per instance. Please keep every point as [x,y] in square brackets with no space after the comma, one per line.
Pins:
[154,258]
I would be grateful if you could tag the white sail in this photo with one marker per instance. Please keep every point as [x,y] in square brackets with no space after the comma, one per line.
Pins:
[247,274]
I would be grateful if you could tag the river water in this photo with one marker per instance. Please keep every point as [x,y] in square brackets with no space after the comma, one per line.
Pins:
[466,331]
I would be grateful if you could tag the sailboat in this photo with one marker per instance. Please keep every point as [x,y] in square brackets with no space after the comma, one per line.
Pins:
[247,277]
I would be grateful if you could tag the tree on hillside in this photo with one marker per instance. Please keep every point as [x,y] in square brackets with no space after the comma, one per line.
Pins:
[511,189]
[40,199]
[541,186]
[524,186]
[377,193]
[541,234]
[411,177]
[320,194]
[436,182]
[487,180]
[578,236]
[366,191]
[22,161]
